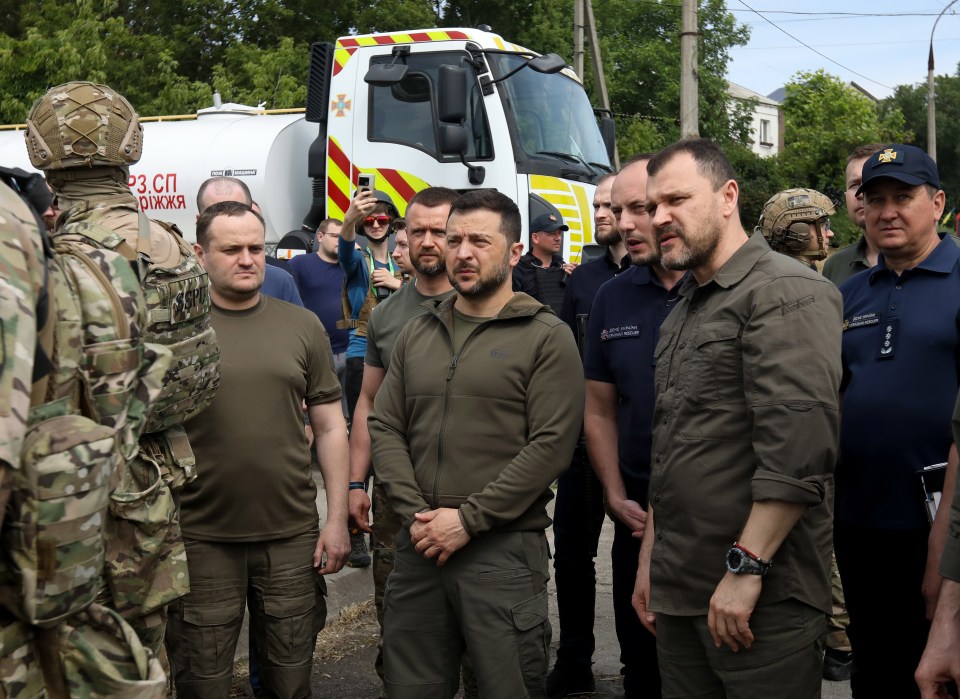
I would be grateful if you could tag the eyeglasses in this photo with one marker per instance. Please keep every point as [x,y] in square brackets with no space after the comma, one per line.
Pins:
[381,219]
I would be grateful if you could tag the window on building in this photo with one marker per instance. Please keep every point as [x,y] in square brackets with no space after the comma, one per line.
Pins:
[765,139]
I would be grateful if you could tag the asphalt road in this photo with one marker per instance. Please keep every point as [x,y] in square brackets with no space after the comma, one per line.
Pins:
[344,668]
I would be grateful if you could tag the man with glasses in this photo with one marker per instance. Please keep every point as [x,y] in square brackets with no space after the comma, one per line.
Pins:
[370,276]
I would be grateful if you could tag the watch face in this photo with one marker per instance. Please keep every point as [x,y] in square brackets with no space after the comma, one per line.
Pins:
[734,559]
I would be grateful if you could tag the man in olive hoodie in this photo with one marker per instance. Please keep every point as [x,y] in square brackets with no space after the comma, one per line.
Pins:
[475,419]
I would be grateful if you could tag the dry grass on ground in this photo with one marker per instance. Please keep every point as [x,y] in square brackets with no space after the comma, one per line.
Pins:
[355,629]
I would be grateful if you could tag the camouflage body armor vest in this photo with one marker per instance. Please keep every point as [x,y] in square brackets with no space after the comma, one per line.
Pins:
[146,562]
[86,412]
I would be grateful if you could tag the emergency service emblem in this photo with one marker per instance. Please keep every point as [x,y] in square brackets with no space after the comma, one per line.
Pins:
[340,105]
[887,156]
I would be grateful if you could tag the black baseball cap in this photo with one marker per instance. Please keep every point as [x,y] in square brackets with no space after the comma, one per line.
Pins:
[907,164]
[548,223]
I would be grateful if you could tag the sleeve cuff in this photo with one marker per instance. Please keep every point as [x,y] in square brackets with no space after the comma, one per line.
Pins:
[768,485]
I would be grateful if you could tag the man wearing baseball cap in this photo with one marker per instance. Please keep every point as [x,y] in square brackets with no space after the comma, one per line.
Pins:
[901,362]
[542,272]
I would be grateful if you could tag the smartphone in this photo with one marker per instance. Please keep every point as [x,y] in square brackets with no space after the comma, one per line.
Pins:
[366,182]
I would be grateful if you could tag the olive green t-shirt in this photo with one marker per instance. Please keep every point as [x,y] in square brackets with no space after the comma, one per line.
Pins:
[463,327]
[253,463]
[388,319]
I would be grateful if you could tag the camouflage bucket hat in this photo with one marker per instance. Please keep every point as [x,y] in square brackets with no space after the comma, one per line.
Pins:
[82,124]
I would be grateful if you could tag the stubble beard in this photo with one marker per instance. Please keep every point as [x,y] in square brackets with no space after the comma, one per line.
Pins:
[696,252]
[484,286]
[612,237]
[434,270]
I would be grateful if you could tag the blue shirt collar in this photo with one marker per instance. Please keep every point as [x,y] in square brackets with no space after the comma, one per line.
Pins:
[941,260]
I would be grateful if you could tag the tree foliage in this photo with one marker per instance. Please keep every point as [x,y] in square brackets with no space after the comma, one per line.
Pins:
[825,119]
[911,101]
[641,51]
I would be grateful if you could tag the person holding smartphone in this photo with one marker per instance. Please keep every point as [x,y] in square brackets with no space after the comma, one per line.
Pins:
[370,276]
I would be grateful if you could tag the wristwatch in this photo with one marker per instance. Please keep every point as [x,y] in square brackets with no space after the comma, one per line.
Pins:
[741,562]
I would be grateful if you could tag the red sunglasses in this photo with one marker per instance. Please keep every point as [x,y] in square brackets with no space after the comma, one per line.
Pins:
[381,219]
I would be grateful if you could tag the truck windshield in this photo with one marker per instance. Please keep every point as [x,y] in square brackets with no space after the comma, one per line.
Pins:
[552,118]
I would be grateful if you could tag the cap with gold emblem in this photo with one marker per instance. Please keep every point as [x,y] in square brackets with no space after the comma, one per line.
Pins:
[907,164]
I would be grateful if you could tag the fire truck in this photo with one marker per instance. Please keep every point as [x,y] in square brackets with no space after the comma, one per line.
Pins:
[461,108]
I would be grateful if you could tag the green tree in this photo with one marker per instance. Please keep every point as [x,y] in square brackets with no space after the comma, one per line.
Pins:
[911,101]
[759,179]
[543,26]
[825,119]
[641,52]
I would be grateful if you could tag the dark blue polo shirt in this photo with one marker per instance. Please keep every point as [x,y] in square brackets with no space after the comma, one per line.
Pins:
[901,370]
[583,284]
[621,338]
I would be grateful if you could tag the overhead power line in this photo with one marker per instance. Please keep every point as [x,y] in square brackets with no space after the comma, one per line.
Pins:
[808,46]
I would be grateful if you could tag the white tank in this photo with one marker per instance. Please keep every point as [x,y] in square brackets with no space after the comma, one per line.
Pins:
[267,151]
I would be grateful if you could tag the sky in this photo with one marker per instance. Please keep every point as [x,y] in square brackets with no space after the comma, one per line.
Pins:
[877,52]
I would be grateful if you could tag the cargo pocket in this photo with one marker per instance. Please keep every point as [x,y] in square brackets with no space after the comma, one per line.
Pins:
[146,563]
[208,635]
[290,622]
[532,629]
[717,363]
[20,673]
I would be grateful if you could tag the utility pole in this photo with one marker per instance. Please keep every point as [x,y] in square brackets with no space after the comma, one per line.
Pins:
[595,58]
[578,38]
[932,94]
[689,104]
[583,18]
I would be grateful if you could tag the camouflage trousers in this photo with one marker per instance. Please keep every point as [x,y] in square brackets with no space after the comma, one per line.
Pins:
[92,655]
[386,525]
[839,619]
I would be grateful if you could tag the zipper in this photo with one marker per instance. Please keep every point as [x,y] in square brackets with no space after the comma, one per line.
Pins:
[443,424]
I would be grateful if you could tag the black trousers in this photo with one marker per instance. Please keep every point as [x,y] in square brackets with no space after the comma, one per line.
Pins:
[577,520]
[352,383]
[882,573]
[638,647]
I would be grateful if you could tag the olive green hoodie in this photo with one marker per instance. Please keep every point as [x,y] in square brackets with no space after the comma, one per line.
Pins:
[486,431]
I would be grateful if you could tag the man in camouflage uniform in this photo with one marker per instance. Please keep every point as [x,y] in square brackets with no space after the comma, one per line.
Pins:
[85,137]
[90,652]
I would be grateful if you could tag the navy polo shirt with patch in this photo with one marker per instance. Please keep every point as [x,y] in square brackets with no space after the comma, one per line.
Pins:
[622,335]
[901,370]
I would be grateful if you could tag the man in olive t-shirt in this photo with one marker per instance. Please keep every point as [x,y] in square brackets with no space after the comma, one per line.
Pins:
[250,520]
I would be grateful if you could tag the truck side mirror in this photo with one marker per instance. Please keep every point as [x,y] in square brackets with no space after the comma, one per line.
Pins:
[608,131]
[547,63]
[385,74]
[452,94]
[453,139]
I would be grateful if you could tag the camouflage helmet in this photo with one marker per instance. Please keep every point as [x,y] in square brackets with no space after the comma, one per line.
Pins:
[82,124]
[796,206]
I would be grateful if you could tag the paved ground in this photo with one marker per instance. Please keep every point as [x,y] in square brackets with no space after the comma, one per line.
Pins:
[346,650]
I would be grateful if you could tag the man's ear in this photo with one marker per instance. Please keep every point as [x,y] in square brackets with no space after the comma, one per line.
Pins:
[516,250]
[198,249]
